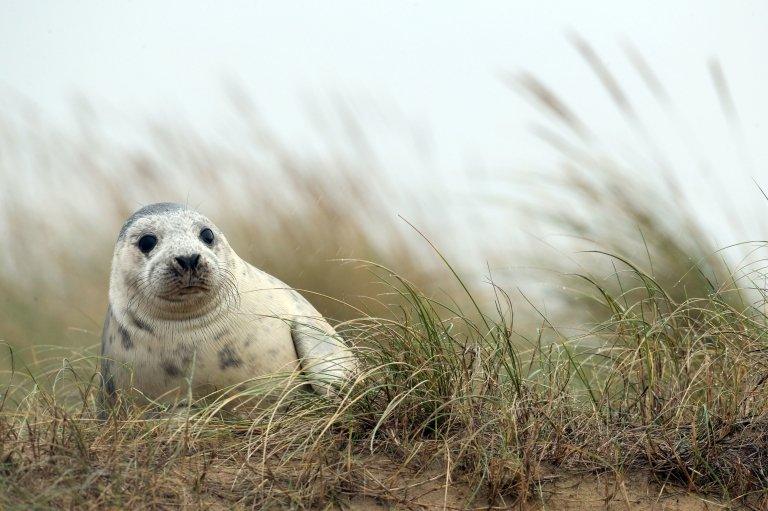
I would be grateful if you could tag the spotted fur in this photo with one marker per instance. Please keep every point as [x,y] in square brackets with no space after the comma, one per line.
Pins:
[214,327]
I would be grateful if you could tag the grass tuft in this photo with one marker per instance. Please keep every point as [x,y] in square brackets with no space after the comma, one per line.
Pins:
[444,398]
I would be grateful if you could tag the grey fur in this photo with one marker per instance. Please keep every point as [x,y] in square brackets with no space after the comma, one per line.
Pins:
[106,333]
[159,208]
[222,334]
[125,337]
[140,323]
[171,369]
[107,393]
[228,358]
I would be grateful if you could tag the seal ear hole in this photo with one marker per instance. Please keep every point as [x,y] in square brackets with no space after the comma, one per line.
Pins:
[207,236]
[147,243]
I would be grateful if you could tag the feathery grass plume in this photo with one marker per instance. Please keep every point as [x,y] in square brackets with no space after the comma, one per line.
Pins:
[64,195]
[605,204]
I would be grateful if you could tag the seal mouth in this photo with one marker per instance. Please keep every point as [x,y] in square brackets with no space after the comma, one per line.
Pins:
[188,288]
[183,293]
[192,289]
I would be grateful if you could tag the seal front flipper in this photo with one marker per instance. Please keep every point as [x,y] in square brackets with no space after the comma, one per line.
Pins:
[325,359]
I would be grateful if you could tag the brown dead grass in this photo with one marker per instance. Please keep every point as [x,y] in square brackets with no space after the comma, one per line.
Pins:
[163,474]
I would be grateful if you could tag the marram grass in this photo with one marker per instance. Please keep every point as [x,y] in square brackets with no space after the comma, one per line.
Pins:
[674,389]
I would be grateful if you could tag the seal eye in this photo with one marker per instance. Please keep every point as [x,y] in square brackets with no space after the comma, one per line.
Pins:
[147,243]
[207,236]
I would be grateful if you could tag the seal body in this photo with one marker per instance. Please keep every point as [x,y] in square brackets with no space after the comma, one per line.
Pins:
[188,316]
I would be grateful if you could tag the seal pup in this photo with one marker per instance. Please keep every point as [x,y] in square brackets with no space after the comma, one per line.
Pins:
[186,314]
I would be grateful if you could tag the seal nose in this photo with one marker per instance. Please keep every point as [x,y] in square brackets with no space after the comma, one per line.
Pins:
[188,262]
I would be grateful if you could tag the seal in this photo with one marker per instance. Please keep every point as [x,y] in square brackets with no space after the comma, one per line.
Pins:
[186,314]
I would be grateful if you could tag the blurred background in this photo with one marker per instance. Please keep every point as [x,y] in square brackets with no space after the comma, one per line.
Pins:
[514,136]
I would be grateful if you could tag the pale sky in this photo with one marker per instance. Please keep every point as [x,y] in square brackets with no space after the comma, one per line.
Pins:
[435,67]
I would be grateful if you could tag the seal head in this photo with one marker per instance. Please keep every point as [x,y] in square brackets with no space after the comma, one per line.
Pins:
[171,259]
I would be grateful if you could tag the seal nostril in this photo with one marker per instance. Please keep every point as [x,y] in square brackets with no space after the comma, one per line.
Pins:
[182,262]
[188,262]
